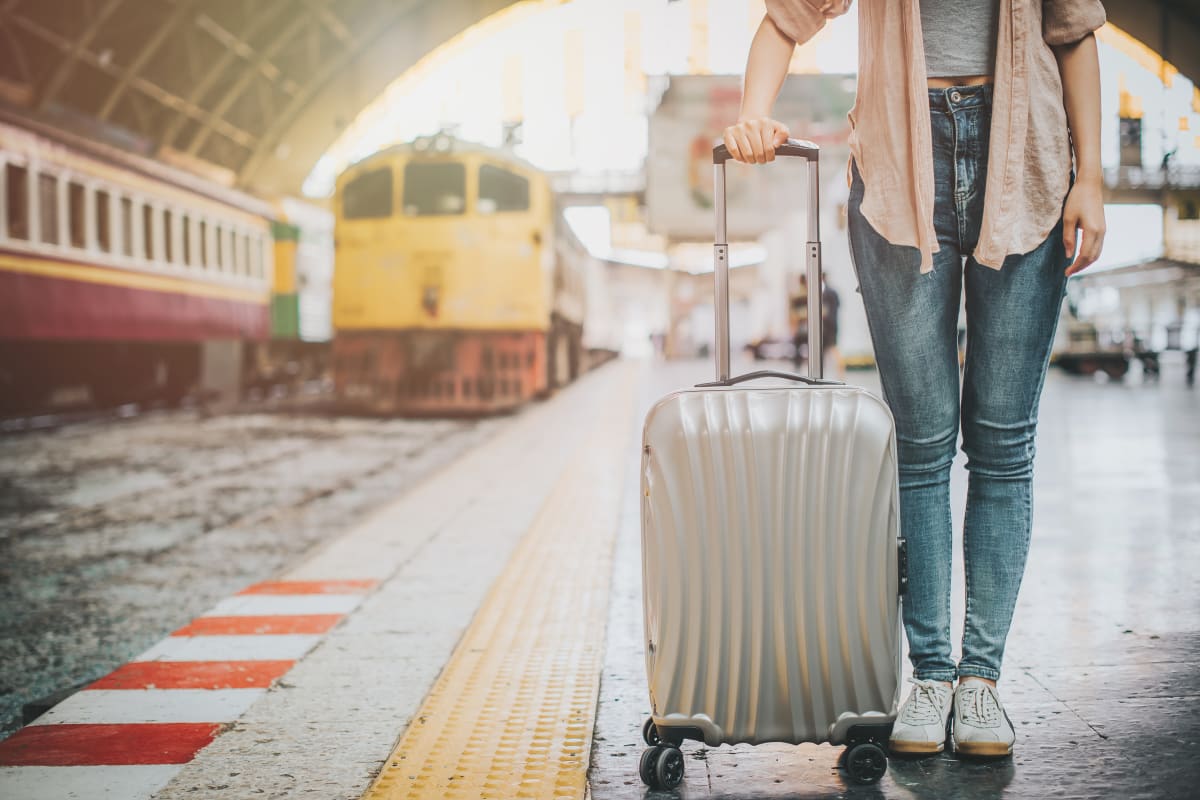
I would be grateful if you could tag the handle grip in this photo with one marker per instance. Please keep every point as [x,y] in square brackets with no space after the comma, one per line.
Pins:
[771,373]
[792,147]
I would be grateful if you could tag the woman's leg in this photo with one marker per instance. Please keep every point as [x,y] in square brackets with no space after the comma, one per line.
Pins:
[913,323]
[1011,318]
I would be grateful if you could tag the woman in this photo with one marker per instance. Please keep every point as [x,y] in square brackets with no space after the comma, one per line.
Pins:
[962,135]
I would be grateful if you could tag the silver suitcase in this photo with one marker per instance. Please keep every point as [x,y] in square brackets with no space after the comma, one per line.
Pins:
[771,561]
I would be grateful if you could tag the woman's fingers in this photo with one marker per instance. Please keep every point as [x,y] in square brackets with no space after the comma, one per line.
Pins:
[1070,224]
[731,144]
[1089,251]
[753,141]
[1090,246]
[752,130]
[747,144]
[767,139]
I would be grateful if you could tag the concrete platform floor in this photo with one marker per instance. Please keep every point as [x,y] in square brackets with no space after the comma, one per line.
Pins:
[1102,670]
[1100,675]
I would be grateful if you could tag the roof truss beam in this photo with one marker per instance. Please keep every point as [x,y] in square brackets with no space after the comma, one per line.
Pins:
[78,48]
[164,97]
[267,143]
[236,48]
[285,35]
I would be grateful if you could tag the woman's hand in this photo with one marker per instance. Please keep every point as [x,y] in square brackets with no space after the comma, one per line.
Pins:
[1084,211]
[753,141]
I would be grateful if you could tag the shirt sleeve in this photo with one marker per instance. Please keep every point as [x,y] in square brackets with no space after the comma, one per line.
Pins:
[799,20]
[1068,21]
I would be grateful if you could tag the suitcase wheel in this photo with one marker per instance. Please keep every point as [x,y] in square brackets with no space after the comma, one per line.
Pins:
[661,767]
[650,733]
[865,762]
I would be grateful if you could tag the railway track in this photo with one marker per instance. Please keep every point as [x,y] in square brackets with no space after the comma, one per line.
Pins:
[114,531]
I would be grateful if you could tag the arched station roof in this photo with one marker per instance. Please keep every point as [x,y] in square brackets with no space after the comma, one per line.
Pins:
[260,89]
[257,88]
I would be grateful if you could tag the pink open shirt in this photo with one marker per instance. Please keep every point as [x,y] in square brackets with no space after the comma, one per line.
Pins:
[1029,159]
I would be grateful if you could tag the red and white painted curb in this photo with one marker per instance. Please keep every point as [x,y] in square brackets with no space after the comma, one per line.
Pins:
[126,735]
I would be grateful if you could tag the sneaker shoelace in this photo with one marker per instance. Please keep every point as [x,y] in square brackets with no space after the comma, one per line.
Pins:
[923,704]
[979,706]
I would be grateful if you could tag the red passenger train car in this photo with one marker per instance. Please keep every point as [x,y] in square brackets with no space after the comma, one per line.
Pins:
[115,270]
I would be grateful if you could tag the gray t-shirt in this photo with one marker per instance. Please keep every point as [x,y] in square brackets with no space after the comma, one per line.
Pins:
[960,36]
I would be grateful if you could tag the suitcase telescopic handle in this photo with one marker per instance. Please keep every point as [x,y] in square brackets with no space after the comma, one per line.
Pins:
[810,152]
[792,147]
[771,373]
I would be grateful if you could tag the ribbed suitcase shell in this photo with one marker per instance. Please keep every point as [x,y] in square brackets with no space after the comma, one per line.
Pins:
[770,549]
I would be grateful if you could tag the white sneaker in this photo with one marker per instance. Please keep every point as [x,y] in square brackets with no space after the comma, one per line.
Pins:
[921,724]
[981,727]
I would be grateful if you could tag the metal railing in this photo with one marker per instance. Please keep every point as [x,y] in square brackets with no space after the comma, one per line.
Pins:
[1175,176]
[608,182]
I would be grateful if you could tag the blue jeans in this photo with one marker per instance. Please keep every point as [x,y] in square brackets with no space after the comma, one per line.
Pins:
[1011,316]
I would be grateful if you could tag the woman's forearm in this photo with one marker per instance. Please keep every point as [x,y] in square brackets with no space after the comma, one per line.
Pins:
[1079,65]
[766,69]
[754,137]
[1083,211]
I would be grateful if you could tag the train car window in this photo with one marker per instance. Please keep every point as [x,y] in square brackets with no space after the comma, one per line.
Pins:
[501,190]
[168,228]
[256,257]
[243,255]
[103,228]
[202,238]
[126,226]
[16,201]
[48,207]
[230,252]
[77,214]
[148,232]
[434,187]
[186,245]
[368,196]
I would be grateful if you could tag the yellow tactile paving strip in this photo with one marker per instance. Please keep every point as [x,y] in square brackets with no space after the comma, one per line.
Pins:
[512,713]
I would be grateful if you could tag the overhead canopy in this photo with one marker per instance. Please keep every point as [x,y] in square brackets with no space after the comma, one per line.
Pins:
[260,89]
[1169,27]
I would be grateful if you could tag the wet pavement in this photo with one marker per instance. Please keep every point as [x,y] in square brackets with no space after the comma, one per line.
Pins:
[1100,675]
[114,533]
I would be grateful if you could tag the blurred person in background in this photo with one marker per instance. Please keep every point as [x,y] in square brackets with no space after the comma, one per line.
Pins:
[798,320]
[975,164]
[798,317]
[830,303]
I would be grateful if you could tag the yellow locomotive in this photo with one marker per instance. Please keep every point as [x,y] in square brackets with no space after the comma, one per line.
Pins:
[455,288]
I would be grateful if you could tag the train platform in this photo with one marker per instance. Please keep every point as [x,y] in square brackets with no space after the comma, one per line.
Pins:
[479,635]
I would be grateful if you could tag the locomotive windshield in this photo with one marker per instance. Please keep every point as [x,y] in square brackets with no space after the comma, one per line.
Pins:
[434,187]
[368,196]
[501,190]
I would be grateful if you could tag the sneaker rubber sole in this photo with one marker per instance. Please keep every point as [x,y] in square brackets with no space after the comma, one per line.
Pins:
[916,748]
[983,749]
